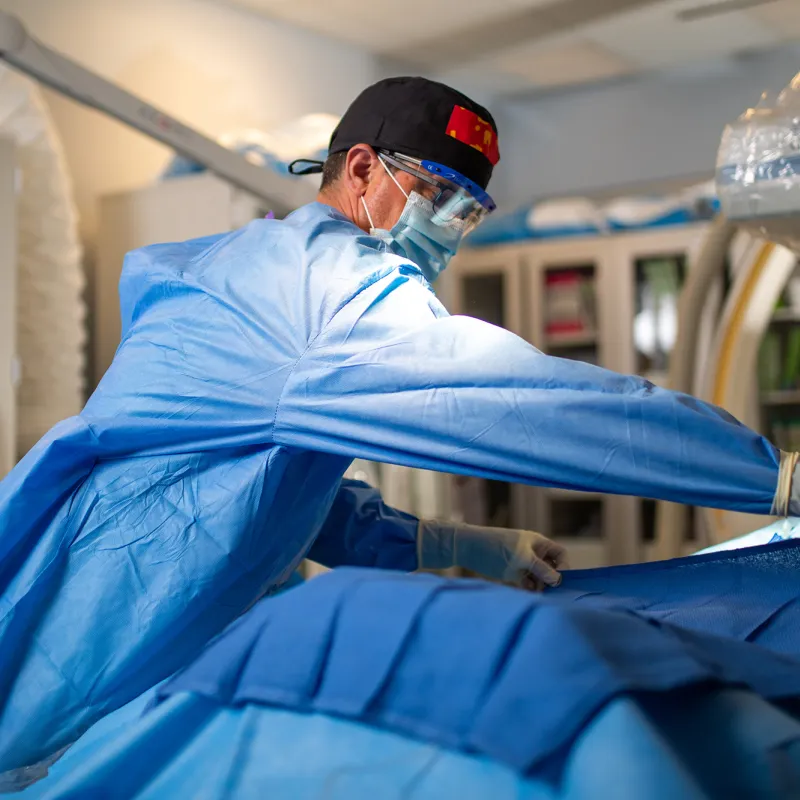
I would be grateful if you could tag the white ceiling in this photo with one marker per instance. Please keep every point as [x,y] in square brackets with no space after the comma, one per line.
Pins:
[656,37]
[640,38]
[386,25]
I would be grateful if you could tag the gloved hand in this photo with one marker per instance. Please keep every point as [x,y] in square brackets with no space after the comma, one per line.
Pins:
[523,558]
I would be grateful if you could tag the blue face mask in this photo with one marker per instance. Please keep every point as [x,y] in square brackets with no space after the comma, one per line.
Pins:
[419,235]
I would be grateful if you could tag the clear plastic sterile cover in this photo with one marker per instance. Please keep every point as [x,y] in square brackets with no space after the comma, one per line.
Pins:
[758,167]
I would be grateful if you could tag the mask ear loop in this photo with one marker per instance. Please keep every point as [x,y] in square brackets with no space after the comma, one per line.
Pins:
[366,211]
[391,175]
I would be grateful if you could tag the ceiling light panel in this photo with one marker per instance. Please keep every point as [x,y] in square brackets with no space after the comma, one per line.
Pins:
[655,37]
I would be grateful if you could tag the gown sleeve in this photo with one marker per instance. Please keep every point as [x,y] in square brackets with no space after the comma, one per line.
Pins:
[362,531]
[392,378]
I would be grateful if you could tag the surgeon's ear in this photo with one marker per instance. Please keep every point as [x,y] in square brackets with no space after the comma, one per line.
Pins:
[360,168]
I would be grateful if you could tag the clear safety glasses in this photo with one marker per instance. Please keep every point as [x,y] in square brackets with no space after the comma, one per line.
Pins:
[454,197]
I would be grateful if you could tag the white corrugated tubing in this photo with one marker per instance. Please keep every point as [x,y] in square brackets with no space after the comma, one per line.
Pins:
[50,280]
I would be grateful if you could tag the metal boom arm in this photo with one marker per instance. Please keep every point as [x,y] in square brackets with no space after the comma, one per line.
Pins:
[19,49]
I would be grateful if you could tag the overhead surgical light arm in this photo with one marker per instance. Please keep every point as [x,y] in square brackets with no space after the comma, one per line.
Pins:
[19,49]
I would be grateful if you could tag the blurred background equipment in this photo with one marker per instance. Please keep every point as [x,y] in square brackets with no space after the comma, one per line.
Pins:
[44,342]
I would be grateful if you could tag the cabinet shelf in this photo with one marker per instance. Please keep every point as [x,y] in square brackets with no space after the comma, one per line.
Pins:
[786,316]
[584,553]
[562,340]
[568,495]
[783,397]
[658,378]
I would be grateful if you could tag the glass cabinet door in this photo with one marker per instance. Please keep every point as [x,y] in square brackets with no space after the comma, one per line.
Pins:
[485,284]
[658,280]
[567,313]
[779,370]
[657,264]
[570,313]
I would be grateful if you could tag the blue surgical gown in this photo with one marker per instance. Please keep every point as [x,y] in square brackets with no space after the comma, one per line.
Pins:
[253,367]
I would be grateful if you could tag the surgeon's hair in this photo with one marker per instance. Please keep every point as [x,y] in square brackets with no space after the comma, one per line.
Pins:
[332,169]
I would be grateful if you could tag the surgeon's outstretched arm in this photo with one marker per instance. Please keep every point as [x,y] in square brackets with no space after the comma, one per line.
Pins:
[392,378]
[362,531]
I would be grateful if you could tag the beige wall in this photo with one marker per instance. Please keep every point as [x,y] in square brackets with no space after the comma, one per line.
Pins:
[215,67]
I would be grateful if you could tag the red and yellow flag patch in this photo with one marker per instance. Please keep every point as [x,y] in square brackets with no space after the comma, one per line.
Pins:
[469,128]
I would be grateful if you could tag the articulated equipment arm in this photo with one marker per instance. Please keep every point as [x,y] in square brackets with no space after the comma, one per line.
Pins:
[19,49]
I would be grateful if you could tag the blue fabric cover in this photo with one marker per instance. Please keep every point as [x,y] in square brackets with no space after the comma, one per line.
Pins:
[678,215]
[515,226]
[191,747]
[748,595]
[361,685]
[180,166]
[694,745]
[505,674]
[623,214]
[253,367]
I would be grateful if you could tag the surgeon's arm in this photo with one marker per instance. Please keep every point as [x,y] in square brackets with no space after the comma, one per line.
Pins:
[362,531]
[392,378]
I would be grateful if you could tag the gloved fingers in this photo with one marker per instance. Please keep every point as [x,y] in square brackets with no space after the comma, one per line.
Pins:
[551,553]
[531,583]
[544,572]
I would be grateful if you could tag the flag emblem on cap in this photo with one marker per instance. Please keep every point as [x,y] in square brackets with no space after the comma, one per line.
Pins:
[469,128]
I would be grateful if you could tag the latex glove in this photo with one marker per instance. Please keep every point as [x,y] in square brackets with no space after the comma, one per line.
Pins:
[523,558]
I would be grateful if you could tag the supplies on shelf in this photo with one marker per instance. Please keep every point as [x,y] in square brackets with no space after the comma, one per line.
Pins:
[275,149]
[569,306]
[779,370]
[779,362]
[576,519]
[786,434]
[578,217]
[779,357]
[655,326]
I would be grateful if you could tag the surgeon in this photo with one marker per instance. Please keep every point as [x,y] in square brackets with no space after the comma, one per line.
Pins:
[253,367]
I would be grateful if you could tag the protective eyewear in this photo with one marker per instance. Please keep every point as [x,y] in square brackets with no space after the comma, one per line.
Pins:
[453,196]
